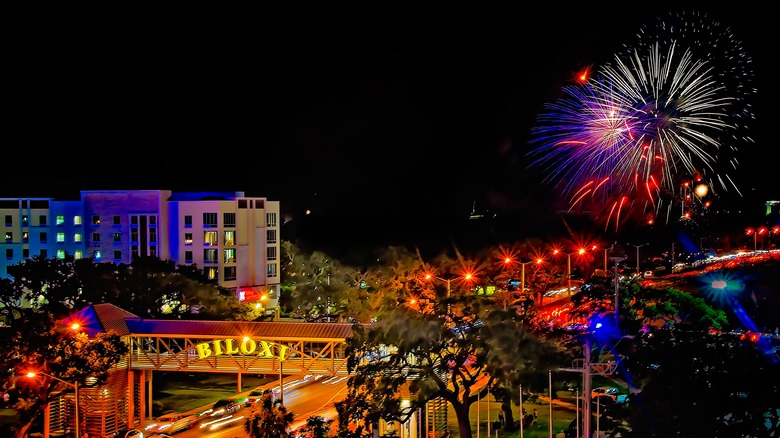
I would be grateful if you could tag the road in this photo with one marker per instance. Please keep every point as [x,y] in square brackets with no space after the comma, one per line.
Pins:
[305,401]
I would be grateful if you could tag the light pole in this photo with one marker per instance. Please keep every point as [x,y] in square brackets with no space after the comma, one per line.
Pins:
[522,275]
[580,251]
[637,256]
[538,261]
[467,277]
[75,386]
[755,232]
[617,254]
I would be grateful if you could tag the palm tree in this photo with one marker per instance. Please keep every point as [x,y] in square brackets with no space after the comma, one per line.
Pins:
[319,426]
[269,419]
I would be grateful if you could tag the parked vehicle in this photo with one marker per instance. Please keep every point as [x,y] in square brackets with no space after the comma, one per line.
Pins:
[608,394]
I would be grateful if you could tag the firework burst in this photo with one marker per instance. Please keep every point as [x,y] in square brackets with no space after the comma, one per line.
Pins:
[644,133]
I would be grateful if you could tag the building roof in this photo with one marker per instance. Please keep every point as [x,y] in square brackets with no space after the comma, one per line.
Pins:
[275,330]
[99,318]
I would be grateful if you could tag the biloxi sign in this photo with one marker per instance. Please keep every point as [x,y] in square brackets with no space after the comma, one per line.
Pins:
[244,346]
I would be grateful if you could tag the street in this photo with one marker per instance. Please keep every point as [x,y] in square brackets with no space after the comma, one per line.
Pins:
[305,401]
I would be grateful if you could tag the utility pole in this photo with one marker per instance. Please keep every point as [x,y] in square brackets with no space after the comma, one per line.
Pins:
[637,257]
[617,254]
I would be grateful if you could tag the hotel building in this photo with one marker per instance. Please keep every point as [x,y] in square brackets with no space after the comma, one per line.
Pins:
[234,239]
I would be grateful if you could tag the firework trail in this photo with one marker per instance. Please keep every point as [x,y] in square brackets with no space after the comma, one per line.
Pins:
[659,119]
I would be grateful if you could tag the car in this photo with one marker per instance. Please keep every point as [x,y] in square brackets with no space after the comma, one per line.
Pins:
[163,422]
[226,406]
[255,395]
[608,394]
[128,433]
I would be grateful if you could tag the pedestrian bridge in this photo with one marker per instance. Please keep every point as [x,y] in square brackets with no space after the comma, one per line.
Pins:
[238,346]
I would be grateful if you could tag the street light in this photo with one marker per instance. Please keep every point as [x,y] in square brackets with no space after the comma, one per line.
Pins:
[537,260]
[466,277]
[617,254]
[74,384]
[580,251]
[755,232]
[637,256]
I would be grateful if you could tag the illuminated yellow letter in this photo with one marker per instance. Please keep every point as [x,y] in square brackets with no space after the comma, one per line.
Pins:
[203,350]
[218,348]
[229,347]
[282,351]
[248,346]
[266,350]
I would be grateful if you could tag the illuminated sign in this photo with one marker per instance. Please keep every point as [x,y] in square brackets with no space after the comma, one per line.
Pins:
[244,346]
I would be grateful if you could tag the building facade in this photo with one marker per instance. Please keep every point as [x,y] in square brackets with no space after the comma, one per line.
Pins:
[234,239]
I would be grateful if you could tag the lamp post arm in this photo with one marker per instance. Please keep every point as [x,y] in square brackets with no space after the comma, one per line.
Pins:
[75,385]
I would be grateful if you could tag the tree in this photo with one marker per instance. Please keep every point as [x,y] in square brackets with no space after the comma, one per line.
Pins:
[692,378]
[319,426]
[38,343]
[269,419]
[455,351]
[149,287]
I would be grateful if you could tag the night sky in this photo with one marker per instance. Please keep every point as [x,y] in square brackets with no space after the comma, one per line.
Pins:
[366,119]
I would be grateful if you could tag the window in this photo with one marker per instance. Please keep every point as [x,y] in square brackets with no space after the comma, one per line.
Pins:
[9,236]
[77,220]
[230,273]
[117,220]
[209,219]
[229,255]
[60,237]
[25,253]
[95,220]
[43,237]
[60,254]
[59,220]
[25,236]
[134,251]
[134,220]
[228,219]
[97,255]
[188,238]
[230,238]
[42,219]
[212,274]
[134,234]
[188,257]
[270,219]
[117,237]
[9,253]
[9,220]
[271,253]
[210,255]
[117,254]
[210,238]
[25,220]
[77,238]
[78,254]
[152,235]
[271,270]
[96,237]
[152,220]
[153,251]
[270,236]
[44,254]
[188,221]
